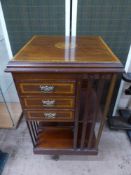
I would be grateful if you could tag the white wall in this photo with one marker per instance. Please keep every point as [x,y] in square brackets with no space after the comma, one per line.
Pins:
[4,32]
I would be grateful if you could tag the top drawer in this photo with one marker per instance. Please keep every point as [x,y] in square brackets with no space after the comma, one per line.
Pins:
[46,87]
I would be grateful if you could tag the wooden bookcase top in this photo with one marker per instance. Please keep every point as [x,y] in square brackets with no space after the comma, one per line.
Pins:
[64,52]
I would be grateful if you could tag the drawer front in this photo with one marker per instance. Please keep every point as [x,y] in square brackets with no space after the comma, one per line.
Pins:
[48,102]
[47,88]
[50,115]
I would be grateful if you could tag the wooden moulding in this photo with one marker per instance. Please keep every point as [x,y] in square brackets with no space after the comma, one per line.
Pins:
[66,151]
[89,54]
[20,66]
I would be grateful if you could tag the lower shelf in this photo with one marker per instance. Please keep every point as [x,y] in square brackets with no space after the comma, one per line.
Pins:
[59,140]
[55,138]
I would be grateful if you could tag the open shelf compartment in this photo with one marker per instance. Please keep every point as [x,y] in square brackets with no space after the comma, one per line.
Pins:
[57,139]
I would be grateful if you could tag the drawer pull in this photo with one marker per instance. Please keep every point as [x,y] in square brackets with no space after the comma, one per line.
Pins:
[48,103]
[46,88]
[49,115]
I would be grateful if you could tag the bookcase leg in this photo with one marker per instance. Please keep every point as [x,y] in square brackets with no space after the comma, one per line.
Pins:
[55,157]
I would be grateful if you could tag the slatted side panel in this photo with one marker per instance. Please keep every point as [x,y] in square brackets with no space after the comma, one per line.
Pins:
[97,93]
[33,130]
[108,97]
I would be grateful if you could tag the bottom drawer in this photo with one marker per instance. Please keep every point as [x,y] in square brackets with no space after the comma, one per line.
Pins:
[50,115]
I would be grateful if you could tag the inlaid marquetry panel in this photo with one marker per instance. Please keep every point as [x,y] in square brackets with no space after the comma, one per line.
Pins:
[48,102]
[50,115]
[47,87]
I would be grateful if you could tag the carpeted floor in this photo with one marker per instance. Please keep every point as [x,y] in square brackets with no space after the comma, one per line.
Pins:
[114,156]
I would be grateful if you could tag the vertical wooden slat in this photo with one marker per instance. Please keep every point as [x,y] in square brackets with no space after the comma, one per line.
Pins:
[84,126]
[90,140]
[98,95]
[34,129]
[100,87]
[37,124]
[106,108]
[77,108]
[85,118]
[31,134]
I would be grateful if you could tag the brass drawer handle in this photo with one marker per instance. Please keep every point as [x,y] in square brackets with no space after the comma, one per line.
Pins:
[49,115]
[48,103]
[46,88]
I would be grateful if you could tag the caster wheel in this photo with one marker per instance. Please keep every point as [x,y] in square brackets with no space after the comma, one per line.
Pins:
[55,157]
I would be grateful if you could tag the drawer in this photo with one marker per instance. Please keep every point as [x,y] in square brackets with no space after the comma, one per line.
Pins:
[46,87]
[48,102]
[50,115]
